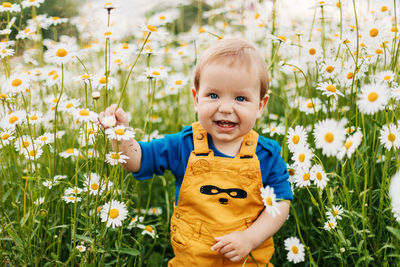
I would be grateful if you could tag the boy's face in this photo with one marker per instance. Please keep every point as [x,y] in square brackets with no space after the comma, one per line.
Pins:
[228,102]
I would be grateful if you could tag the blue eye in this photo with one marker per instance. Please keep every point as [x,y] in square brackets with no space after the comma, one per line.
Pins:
[240,98]
[213,96]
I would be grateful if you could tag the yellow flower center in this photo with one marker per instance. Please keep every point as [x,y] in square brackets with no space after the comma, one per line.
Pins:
[162,17]
[32,1]
[84,112]
[330,69]
[283,38]
[16,82]
[391,137]
[338,4]
[125,46]
[43,138]
[350,75]
[335,212]
[373,32]
[310,105]
[178,82]
[71,198]
[85,76]
[25,144]
[94,186]
[201,29]
[152,28]
[296,139]
[155,73]
[70,150]
[384,8]
[13,119]
[32,153]
[387,78]
[3,96]
[103,80]
[295,249]
[7,4]
[329,137]
[33,117]
[61,52]
[291,172]
[319,176]
[3,51]
[119,131]
[312,51]
[115,156]
[379,51]
[348,144]
[5,136]
[269,201]
[69,105]
[148,228]
[394,29]
[55,18]
[331,88]
[373,96]
[107,33]
[113,213]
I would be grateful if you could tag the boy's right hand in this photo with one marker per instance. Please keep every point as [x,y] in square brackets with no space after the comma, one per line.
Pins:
[113,116]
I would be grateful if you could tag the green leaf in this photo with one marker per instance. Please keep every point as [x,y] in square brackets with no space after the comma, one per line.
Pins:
[15,237]
[85,238]
[394,231]
[129,251]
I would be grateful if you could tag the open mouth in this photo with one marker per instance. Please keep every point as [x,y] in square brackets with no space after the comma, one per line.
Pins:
[226,124]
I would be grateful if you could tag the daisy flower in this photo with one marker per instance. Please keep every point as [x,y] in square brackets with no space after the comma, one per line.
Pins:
[155,211]
[6,52]
[35,117]
[92,183]
[85,115]
[46,138]
[390,136]
[385,76]
[375,33]
[318,176]
[156,73]
[395,93]
[372,98]
[394,195]
[73,191]
[329,89]
[296,137]
[148,28]
[113,213]
[350,145]
[329,69]
[39,201]
[134,220]
[81,248]
[100,82]
[33,152]
[114,158]
[109,121]
[330,224]
[164,17]
[329,135]
[9,7]
[302,177]
[30,3]
[147,230]
[273,128]
[69,105]
[302,156]
[120,132]
[17,83]
[6,136]
[312,51]
[335,213]
[269,199]
[14,118]
[281,38]
[71,199]
[295,250]
[310,106]
[60,54]
[56,20]
[48,184]
[70,152]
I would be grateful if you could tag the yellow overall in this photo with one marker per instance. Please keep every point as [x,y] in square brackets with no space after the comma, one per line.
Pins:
[218,196]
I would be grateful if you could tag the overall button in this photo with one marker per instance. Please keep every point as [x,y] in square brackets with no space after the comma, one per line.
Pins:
[248,143]
[174,227]
[200,136]
[177,215]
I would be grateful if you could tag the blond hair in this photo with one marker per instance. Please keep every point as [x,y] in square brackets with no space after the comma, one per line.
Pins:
[234,51]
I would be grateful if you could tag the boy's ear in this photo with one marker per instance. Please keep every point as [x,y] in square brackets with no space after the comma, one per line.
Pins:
[195,98]
[263,104]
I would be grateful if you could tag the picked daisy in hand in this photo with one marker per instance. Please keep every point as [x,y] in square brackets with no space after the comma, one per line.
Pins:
[114,158]
[269,199]
[295,250]
[120,132]
[113,213]
[329,135]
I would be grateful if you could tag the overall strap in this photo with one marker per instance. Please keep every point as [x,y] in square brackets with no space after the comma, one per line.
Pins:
[200,140]
[249,145]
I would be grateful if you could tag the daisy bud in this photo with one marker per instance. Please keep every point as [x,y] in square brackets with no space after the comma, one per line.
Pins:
[109,121]
[96,95]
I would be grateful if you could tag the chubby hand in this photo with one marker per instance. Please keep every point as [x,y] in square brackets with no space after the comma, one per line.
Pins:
[234,246]
[113,116]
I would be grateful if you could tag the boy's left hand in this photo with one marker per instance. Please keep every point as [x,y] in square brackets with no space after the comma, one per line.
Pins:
[234,246]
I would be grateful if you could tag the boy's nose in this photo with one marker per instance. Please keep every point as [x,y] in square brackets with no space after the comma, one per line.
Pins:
[225,107]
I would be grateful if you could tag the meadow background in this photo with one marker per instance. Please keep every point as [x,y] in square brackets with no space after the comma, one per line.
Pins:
[334,108]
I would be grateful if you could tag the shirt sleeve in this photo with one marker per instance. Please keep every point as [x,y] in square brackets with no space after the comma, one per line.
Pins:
[275,173]
[158,156]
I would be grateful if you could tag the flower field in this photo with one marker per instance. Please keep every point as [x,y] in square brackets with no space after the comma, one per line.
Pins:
[334,108]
